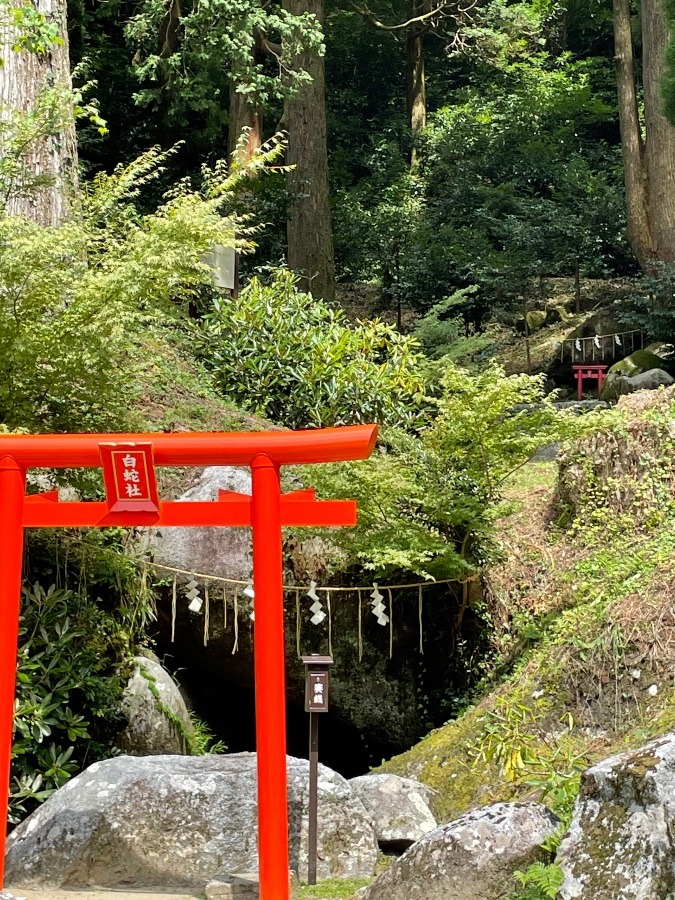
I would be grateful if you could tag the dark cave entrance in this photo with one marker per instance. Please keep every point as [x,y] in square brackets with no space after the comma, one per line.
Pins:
[229,712]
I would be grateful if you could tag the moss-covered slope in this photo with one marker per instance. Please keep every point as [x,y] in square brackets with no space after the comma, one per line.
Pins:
[583,605]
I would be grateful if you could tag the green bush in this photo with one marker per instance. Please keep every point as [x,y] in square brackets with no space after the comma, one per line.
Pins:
[293,359]
[427,504]
[71,651]
[75,301]
[76,642]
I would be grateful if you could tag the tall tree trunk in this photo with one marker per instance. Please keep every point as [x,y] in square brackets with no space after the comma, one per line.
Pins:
[649,166]
[246,113]
[632,147]
[50,161]
[309,230]
[416,87]
[243,114]
[660,135]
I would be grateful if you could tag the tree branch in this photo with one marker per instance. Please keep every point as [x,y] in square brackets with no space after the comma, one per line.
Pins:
[443,11]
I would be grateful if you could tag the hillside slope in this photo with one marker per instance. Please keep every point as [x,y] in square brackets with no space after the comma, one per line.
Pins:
[582,601]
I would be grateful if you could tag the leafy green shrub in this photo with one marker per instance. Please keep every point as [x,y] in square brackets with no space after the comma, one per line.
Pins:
[540,881]
[295,360]
[428,503]
[68,691]
[76,300]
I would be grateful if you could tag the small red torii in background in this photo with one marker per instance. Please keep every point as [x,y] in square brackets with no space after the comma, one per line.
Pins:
[128,463]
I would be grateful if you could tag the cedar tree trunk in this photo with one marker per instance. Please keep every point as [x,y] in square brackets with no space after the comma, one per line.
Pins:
[660,135]
[309,229]
[50,157]
[416,89]
[243,114]
[649,165]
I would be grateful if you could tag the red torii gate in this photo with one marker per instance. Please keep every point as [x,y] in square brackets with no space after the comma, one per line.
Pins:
[128,462]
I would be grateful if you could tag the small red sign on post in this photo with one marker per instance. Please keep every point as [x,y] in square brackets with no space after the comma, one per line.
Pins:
[129,475]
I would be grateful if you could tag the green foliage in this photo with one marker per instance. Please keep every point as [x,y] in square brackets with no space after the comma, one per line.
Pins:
[71,654]
[442,325]
[288,357]
[204,47]
[30,31]
[75,300]
[517,742]
[427,503]
[651,304]
[540,881]
[332,889]
[517,187]
[490,424]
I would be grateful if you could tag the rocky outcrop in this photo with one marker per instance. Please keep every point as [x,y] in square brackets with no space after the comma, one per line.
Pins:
[617,385]
[158,719]
[638,362]
[215,551]
[393,719]
[399,808]
[620,843]
[175,822]
[472,858]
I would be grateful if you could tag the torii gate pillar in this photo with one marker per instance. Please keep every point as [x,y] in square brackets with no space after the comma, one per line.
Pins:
[128,462]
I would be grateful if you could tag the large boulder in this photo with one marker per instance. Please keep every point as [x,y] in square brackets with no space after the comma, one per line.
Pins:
[472,858]
[216,551]
[399,808]
[176,822]
[535,320]
[620,843]
[636,363]
[617,385]
[158,719]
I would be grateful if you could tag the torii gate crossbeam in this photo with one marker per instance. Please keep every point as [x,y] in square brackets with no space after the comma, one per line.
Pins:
[132,501]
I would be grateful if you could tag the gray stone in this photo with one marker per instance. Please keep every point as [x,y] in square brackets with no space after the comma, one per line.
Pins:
[556,312]
[177,821]
[620,843]
[159,721]
[216,551]
[638,362]
[398,806]
[472,858]
[617,385]
[651,380]
[230,887]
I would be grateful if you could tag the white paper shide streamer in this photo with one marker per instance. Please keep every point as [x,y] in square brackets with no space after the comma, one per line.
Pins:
[250,593]
[192,593]
[378,606]
[318,615]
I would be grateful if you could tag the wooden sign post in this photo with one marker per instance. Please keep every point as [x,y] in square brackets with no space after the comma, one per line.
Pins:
[316,702]
[128,462]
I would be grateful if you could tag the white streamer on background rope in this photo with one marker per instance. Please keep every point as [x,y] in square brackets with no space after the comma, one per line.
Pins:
[173,609]
[297,623]
[391,624]
[207,615]
[192,593]
[360,628]
[235,609]
[378,606]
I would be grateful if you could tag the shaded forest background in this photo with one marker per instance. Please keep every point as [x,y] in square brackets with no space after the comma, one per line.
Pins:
[450,157]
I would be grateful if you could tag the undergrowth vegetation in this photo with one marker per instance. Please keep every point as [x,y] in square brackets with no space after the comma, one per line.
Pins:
[584,653]
[77,637]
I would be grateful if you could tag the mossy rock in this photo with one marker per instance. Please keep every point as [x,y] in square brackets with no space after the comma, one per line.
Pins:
[637,363]
[535,319]
[556,313]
